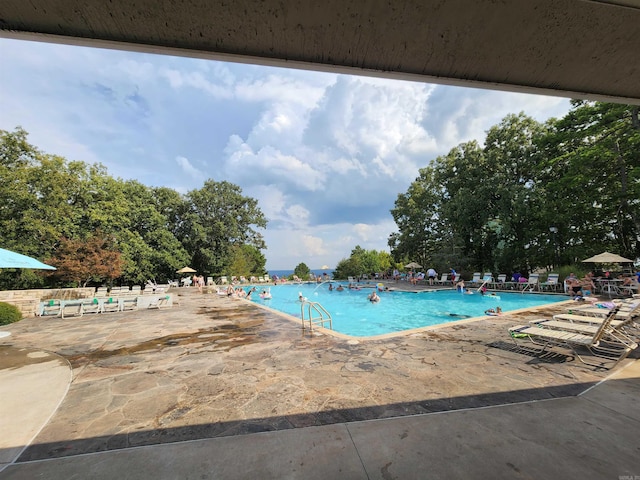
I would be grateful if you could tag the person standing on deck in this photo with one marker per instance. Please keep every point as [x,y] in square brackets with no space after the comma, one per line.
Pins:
[432,274]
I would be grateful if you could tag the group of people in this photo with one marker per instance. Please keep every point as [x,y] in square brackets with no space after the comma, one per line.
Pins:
[431,276]
[239,292]
[580,287]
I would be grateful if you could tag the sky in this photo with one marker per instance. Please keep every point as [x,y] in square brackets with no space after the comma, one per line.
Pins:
[325,154]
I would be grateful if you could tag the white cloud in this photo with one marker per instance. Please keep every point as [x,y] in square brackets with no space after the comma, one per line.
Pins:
[325,155]
[189,169]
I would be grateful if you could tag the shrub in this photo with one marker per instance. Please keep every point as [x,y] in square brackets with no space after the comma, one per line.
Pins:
[9,313]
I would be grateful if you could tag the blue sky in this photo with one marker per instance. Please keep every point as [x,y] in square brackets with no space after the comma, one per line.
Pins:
[324,154]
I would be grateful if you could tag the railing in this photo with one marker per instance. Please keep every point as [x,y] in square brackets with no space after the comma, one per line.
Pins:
[316,315]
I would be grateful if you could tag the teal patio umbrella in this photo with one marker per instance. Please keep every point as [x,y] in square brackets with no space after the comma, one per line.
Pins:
[9,259]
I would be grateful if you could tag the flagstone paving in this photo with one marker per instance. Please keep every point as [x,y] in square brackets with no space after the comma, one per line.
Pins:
[213,366]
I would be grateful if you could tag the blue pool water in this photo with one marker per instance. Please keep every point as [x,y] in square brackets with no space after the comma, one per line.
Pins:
[353,314]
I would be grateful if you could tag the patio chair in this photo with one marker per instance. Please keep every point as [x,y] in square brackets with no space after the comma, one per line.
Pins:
[50,308]
[627,315]
[602,342]
[487,279]
[110,305]
[159,302]
[101,292]
[500,282]
[91,305]
[444,279]
[71,308]
[532,283]
[223,280]
[476,280]
[551,283]
[128,304]
[136,290]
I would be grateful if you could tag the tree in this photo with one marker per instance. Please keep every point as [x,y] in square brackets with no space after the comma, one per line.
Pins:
[246,260]
[94,259]
[362,262]
[302,271]
[220,217]
[591,179]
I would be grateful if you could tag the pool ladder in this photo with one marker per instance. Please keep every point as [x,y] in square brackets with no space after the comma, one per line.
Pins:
[316,315]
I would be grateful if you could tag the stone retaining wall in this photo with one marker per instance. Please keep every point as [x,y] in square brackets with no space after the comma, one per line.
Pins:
[29,300]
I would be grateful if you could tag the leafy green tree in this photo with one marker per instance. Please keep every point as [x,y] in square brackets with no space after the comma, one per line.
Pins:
[246,260]
[219,218]
[590,180]
[362,262]
[302,271]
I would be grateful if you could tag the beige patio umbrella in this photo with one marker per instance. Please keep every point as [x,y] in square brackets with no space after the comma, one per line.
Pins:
[607,257]
[413,265]
[186,270]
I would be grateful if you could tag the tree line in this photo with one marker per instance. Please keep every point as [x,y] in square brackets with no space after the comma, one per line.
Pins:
[97,229]
[535,195]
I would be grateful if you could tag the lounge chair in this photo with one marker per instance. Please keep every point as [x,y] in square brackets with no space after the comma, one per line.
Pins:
[487,280]
[532,283]
[110,305]
[50,308]
[136,290]
[604,341]
[128,304]
[444,279]
[500,282]
[91,305]
[475,280]
[159,302]
[223,280]
[551,283]
[102,292]
[71,308]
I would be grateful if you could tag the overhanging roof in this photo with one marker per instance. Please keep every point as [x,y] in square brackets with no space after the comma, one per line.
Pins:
[572,48]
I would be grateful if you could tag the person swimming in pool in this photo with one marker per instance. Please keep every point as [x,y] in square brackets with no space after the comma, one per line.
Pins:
[374,298]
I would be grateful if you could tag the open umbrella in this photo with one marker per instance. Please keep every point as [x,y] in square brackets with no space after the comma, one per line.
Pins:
[9,259]
[413,265]
[186,270]
[607,257]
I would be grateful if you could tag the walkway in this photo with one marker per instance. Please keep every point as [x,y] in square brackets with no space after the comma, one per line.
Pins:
[217,389]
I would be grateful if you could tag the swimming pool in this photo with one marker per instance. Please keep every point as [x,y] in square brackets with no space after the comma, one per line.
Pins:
[353,314]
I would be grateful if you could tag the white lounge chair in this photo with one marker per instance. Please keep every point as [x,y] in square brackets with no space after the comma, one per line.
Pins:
[444,279]
[476,280]
[501,282]
[604,341]
[532,283]
[551,283]
[487,280]
[101,292]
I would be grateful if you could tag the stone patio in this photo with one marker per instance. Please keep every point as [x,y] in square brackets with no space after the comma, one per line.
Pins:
[213,366]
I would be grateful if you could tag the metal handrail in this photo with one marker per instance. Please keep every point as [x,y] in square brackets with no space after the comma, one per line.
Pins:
[320,310]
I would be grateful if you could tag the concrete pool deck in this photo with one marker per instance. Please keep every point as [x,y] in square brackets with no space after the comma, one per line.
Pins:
[217,388]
